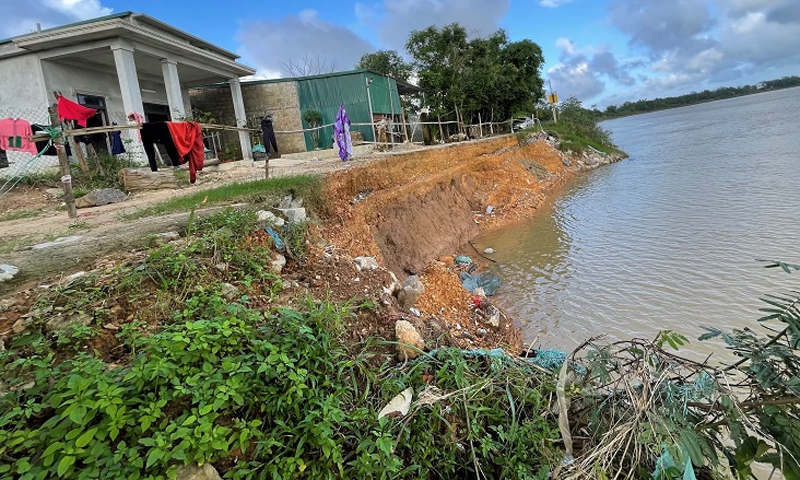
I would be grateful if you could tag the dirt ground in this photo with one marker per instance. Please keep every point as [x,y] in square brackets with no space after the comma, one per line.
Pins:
[413,211]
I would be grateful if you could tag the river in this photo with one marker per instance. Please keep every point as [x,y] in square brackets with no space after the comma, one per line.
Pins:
[668,238]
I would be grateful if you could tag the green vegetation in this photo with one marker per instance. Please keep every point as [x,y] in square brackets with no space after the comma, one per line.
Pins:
[202,373]
[644,106]
[84,182]
[313,120]
[387,62]
[8,216]
[464,77]
[306,186]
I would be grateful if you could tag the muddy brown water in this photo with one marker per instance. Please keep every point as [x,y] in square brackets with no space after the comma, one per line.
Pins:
[668,238]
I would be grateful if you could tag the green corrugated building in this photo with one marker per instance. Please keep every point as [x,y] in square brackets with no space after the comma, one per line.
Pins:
[286,99]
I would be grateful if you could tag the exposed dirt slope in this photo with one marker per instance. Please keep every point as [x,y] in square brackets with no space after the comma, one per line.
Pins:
[409,209]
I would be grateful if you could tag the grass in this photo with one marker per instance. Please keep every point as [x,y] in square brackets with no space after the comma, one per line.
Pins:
[7,217]
[304,186]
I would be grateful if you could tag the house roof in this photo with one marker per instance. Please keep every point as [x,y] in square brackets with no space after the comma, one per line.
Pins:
[402,88]
[124,24]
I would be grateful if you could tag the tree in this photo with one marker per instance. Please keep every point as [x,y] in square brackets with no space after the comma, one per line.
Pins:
[309,66]
[387,62]
[464,77]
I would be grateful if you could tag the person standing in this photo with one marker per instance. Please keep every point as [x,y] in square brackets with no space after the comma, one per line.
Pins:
[268,137]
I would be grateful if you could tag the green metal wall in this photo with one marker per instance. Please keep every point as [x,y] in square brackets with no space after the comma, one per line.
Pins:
[325,94]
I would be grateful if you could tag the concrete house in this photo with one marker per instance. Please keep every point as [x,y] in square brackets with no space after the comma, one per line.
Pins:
[362,92]
[118,64]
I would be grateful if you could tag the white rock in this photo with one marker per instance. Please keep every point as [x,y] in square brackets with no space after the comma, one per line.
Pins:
[399,404]
[58,241]
[415,311]
[7,272]
[294,215]
[366,263]
[488,251]
[196,472]
[278,263]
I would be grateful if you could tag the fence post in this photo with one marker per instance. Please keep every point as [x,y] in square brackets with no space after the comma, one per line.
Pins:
[63,163]
[480,125]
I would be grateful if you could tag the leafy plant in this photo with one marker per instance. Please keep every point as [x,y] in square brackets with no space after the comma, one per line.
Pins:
[313,120]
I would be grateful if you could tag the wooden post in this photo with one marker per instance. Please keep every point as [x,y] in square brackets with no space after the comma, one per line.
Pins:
[266,167]
[480,125]
[441,133]
[63,163]
[405,128]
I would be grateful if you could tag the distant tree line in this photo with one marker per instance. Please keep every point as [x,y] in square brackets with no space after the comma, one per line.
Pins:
[644,106]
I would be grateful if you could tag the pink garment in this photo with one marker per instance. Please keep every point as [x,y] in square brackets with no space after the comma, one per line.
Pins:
[14,136]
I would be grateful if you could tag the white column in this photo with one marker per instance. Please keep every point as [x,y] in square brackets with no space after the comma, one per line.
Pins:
[241,120]
[173,85]
[128,79]
[131,95]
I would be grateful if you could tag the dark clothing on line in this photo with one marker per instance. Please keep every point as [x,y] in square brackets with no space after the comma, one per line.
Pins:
[158,132]
[116,143]
[268,136]
[41,145]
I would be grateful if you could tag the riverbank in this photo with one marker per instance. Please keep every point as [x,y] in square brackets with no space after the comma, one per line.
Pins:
[145,359]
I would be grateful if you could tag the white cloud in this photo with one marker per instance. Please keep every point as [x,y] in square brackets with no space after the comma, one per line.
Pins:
[24,15]
[271,45]
[400,17]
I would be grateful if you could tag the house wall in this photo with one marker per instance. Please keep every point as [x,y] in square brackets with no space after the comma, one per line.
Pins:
[71,80]
[278,98]
[22,89]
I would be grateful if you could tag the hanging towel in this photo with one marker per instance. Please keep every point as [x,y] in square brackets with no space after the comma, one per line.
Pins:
[188,139]
[69,110]
[341,129]
[14,135]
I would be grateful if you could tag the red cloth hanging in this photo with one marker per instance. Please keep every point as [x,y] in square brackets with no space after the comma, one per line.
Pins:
[67,109]
[188,139]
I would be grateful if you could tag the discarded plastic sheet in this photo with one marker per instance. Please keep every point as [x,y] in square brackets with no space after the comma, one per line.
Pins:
[488,281]
[399,405]
[276,239]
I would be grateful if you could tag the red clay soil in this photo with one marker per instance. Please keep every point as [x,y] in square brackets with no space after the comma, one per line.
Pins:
[409,209]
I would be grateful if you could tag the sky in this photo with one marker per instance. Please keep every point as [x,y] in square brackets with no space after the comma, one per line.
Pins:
[600,51]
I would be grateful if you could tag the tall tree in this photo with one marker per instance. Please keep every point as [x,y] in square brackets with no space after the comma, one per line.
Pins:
[489,75]
[387,62]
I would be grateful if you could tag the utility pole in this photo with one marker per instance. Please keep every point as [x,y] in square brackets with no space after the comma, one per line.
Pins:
[553,99]
[371,115]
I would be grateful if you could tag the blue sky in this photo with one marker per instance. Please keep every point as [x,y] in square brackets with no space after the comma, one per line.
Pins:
[601,51]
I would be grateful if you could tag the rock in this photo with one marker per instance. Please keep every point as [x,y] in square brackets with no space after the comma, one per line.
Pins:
[58,241]
[75,275]
[415,311]
[399,405]
[229,291]
[139,179]
[18,327]
[278,263]
[103,196]
[222,267]
[488,251]
[493,316]
[290,202]
[407,336]
[294,215]
[565,161]
[196,472]
[55,192]
[62,322]
[366,263]
[269,217]
[411,291]
[7,272]
[172,235]
[489,210]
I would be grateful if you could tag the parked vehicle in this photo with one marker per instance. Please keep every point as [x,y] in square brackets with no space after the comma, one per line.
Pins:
[522,123]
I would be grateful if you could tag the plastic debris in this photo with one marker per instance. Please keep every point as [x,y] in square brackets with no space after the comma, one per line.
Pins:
[276,239]
[463,260]
[489,282]
[399,405]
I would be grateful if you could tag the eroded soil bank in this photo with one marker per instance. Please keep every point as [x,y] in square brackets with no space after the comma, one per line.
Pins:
[412,211]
